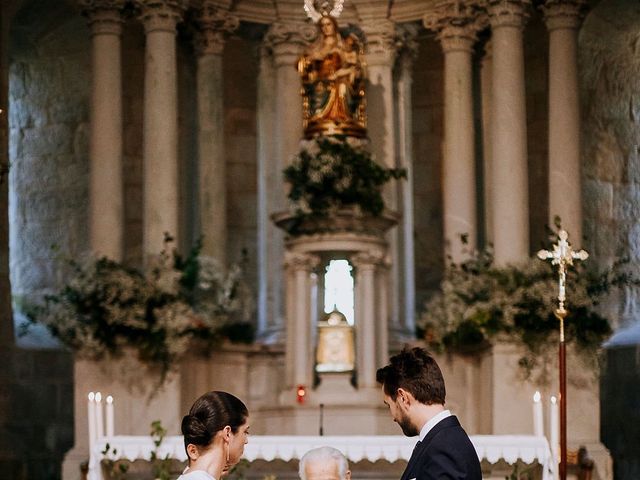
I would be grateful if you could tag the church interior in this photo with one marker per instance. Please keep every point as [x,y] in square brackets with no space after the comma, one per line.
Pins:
[313,185]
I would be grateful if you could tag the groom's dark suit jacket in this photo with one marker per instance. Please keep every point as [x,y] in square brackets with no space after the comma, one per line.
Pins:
[446,453]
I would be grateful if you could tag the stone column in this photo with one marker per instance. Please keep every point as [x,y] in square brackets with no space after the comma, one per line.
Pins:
[563,18]
[160,129]
[365,310]
[381,57]
[267,178]
[106,208]
[213,23]
[509,132]
[285,42]
[299,317]
[382,313]
[457,27]
[406,321]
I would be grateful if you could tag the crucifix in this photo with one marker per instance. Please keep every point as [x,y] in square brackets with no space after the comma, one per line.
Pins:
[562,256]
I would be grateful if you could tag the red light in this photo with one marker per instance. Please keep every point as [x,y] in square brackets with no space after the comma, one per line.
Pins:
[301,391]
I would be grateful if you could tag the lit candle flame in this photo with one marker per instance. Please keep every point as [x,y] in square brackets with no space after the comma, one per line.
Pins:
[536,396]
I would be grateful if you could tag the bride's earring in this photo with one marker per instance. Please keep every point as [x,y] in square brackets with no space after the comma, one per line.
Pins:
[227,445]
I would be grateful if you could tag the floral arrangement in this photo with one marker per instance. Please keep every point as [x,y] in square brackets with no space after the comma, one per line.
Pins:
[480,302]
[159,312]
[337,171]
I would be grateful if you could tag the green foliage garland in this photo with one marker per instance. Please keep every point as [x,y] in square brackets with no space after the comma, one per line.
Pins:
[159,312]
[480,302]
[335,172]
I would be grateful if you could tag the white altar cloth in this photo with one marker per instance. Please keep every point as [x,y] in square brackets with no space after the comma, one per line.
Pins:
[492,448]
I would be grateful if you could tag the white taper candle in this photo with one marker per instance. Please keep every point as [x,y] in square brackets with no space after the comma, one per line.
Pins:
[110,422]
[554,430]
[99,416]
[538,427]
[91,416]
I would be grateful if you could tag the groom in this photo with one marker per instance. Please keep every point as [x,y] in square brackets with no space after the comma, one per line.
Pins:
[414,391]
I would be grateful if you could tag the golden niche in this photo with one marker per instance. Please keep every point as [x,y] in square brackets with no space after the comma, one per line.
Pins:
[336,350]
[333,83]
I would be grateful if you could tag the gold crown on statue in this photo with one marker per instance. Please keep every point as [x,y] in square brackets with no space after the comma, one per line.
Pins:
[316,9]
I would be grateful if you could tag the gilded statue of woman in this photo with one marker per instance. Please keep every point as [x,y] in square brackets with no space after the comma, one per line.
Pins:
[333,83]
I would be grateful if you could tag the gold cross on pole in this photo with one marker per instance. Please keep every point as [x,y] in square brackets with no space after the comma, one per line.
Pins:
[563,256]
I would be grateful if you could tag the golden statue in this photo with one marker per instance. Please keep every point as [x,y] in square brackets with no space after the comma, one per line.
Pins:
[333,83]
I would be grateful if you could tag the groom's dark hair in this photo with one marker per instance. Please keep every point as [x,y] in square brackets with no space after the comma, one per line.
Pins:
[415,371]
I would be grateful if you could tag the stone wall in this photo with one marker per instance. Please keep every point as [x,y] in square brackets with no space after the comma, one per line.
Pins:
[610,90]
[610,93]
[48,119]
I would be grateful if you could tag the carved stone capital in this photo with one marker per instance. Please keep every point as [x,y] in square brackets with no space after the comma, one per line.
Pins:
[296,261]
[456,23]
[161,15]
[381,41]
[103,16]
[213,23]
[564,13]
[508,13]
[287,40]
[368,260]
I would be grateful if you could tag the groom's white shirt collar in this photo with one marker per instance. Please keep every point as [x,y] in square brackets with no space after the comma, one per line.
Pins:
[433,422]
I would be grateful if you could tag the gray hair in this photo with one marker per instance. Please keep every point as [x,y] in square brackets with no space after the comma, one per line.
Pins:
[324,454]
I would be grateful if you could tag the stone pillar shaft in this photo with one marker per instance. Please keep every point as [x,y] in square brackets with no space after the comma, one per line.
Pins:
[267,176]
[299,318]
[380,58]
[458,169]
[382,312]
[509,132]
[211,161]
[160,130]
[106,210]
[565,194]
[213,22]
[405,148]
[286,42]
[366,328]
[457,28]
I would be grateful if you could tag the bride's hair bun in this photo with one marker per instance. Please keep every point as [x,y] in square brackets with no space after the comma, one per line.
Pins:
[211,413]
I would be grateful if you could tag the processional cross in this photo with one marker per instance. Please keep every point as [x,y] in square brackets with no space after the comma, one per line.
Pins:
[562,256]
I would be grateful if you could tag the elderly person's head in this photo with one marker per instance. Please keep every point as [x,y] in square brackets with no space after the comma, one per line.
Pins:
[324,463]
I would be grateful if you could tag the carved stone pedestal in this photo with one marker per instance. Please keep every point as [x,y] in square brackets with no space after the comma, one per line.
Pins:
[360,239]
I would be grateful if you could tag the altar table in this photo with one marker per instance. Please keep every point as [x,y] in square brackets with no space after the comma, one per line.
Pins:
[492,448]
